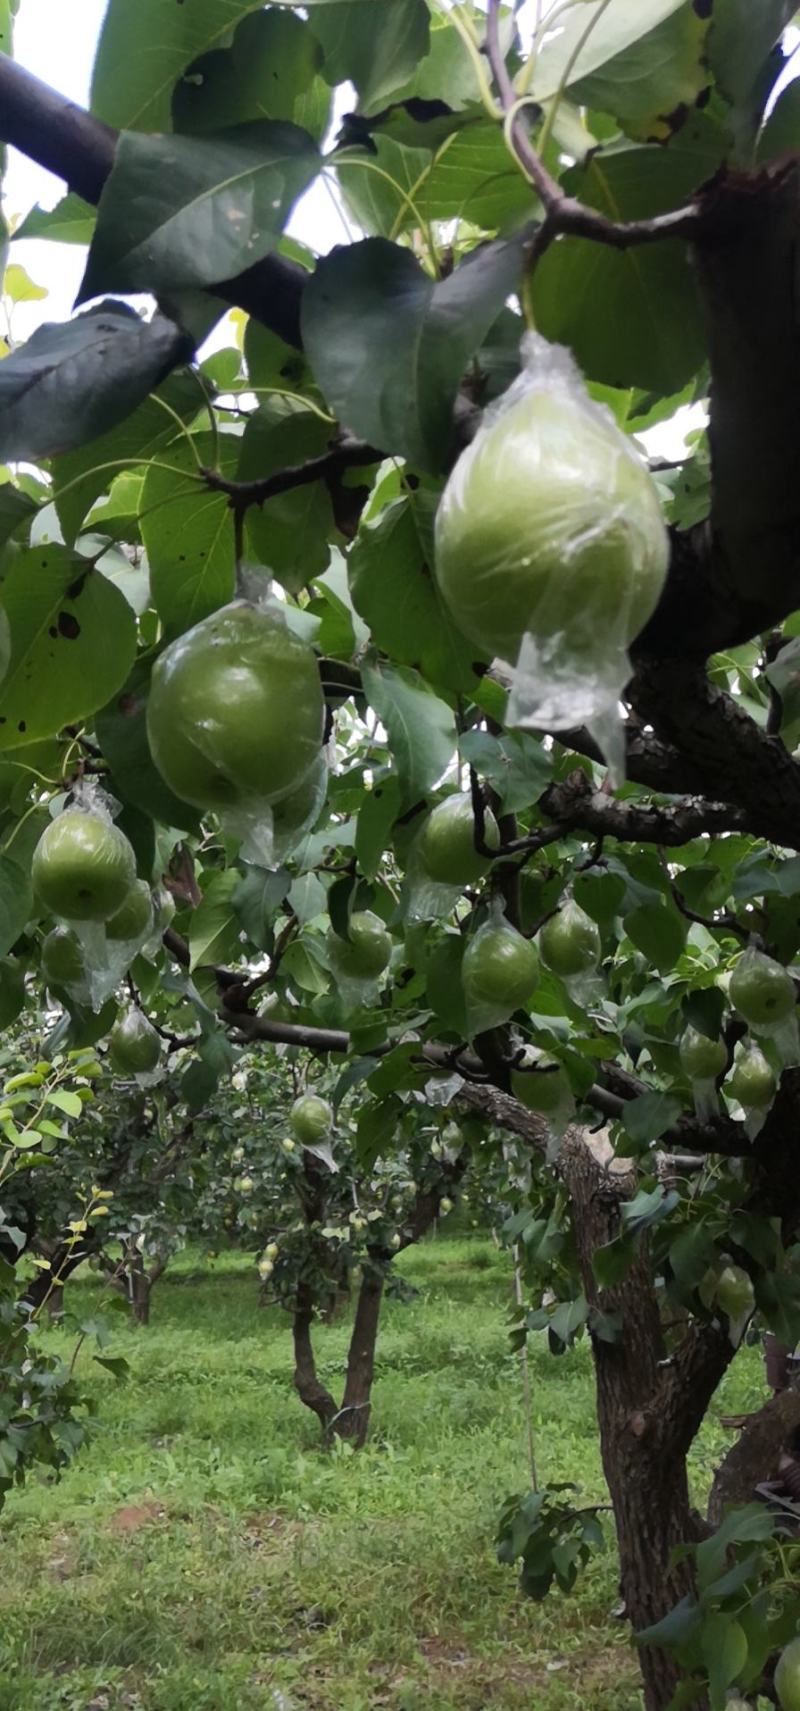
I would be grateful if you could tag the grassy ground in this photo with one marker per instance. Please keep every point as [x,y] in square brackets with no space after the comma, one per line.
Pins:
[204,1554]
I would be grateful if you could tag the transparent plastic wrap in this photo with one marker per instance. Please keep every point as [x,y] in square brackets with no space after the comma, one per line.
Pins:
[359,963]
[551,549]
[753,1084]
[763,992]
[235,719]
[570,945]
[498,973]
[540,1083]
[443,859]
[84,871]
[134,1049]
[703,1060]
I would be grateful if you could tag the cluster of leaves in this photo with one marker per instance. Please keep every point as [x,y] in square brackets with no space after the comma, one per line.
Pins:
[549,1537]
[744,1611]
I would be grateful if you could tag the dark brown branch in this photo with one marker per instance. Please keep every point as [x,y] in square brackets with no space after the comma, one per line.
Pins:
[348,454]
[756,1455]
[564,216]
[577,804]
[724,921]
[51,130]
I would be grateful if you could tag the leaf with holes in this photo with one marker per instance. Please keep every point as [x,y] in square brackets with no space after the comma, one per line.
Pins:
[72,644]
[70,383]
[178,213]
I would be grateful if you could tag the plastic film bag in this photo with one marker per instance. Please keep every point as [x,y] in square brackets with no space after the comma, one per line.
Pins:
[499,972]
[551,550]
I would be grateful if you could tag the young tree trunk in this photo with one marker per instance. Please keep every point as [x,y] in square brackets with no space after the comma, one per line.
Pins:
[306,1382]
[353,1419]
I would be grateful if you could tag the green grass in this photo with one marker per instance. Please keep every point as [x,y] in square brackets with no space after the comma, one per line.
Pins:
[254,1570]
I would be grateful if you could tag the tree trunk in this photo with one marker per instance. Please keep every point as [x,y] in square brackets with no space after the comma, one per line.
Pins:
[306,1382]
[766,1439]
[649,1406]
[353,1419]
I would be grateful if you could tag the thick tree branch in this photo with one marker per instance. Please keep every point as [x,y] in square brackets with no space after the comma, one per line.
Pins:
[740,761]
[577,804]
[756,1454]
[74,145]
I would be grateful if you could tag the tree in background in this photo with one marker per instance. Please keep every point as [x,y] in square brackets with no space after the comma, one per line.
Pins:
[557,694]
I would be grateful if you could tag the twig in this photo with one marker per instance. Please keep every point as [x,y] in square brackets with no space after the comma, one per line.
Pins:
[725,920]
[347,454]
[564,215]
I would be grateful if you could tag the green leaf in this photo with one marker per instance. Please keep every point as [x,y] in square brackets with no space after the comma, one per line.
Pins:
[778,1298]
[378,181]
[613,1261]
[609,31]
[631,317]
[270,71]
[443,982]
[674,1629]
[377,51]
[256,901]
[72,382]
[73,642]
[420,728]
[188,533]
[724,1646]
[659,932]
[122,734]
[115,1364]
[475,178]
[390,570]
[600,894]
[375,1129]
[517,765]
[72,221]
[389,346]
[16,509]
[81,476]
[289,535]
[376,816]
[16,902]
[214,926]
[649,1116]
[781,134]
[741,39]
[704,1010]
[652,84]
[64,1101]
[647,1209]
[179,213]
[18,285]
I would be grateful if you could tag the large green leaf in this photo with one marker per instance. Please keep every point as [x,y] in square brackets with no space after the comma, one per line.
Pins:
[782,130]
[81,476]
[73,642]
[474,178]
[420,728]
[289,535]
[632,317]
[178,213]
[270,71]
[72,382]
[389,346]
[393,590]
[379,183]
[188,533]
[15,902]
[16,510]
[214,925]
[377,51]
[741,38]
[144,48]
[652,84]
[122,734]
[613,29]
